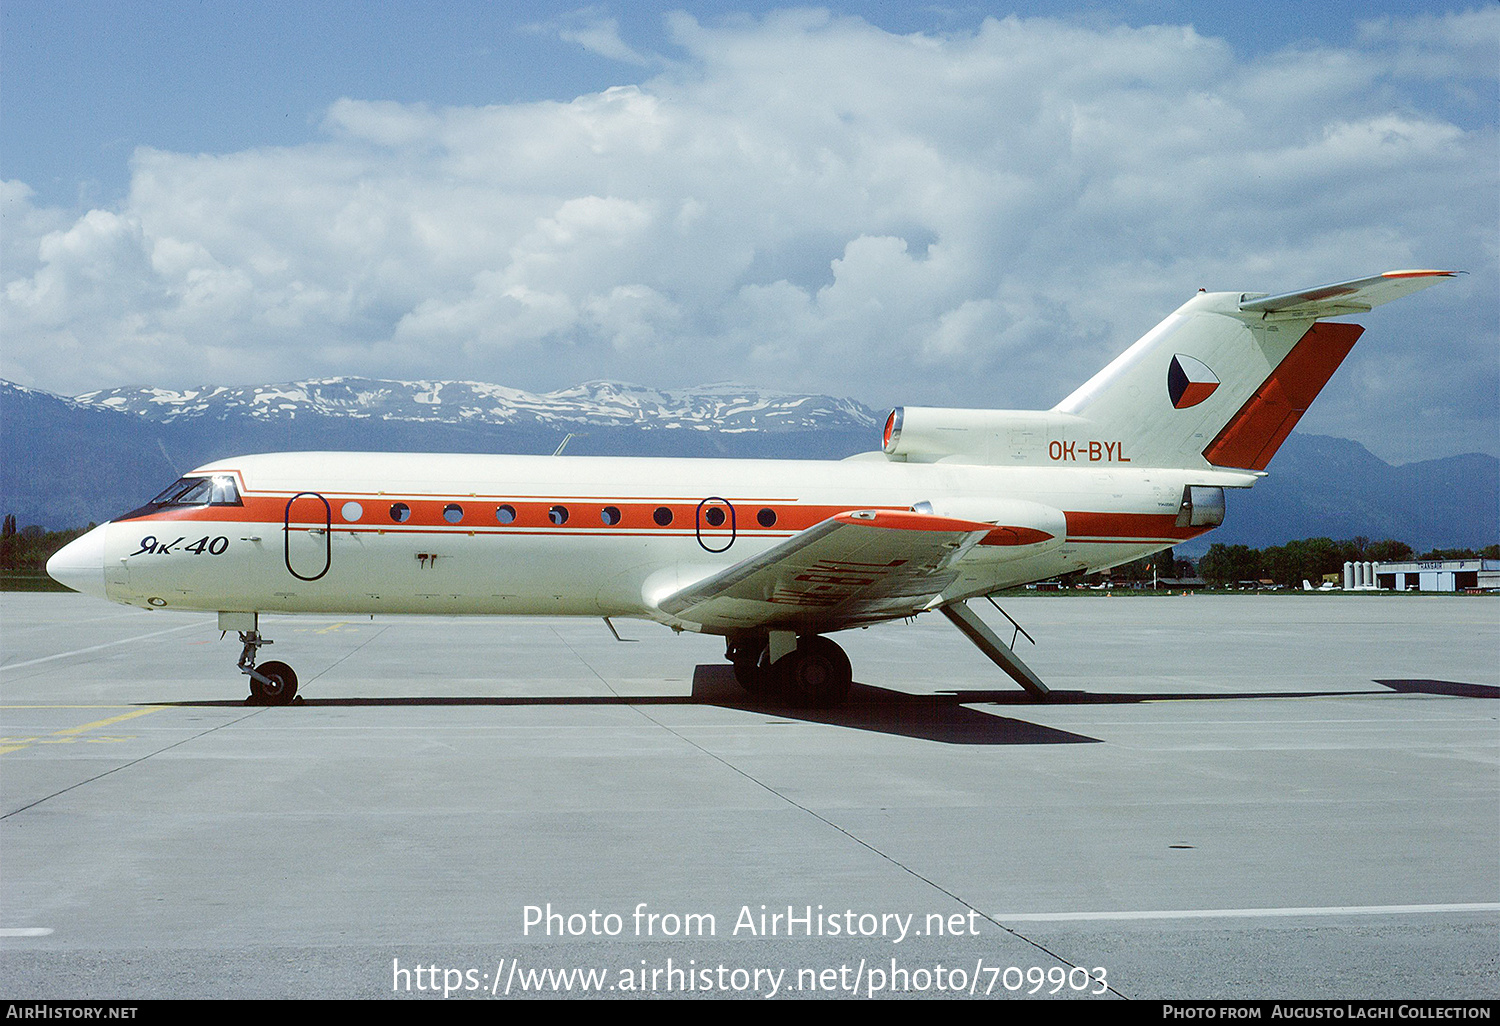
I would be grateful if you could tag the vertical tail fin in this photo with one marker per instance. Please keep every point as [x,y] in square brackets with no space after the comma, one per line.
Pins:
[1229,374]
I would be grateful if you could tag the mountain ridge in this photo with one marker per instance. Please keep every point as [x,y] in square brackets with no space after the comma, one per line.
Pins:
[725,406]
[68,461]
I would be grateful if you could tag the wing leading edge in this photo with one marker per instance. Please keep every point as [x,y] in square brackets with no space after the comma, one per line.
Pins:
[851,569]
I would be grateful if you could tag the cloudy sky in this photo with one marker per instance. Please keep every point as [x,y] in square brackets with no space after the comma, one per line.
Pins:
[974,205]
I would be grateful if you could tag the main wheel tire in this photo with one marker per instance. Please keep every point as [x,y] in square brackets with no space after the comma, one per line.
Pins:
[282,687]
[817,675]
[750,668]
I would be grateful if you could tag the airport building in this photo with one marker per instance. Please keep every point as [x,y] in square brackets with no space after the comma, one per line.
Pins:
[1439,575]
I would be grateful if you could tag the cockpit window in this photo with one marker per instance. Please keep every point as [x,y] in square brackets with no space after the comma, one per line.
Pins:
[190,491]
[226,492]
[217,490]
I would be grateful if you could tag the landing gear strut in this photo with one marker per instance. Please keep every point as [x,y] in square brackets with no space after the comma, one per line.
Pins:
[814,674]
[988,642]
[272,683]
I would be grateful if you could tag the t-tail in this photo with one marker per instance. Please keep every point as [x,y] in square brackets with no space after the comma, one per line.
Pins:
[1220,383]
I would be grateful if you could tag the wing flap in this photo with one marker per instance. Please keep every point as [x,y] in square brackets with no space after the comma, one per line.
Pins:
[851,569]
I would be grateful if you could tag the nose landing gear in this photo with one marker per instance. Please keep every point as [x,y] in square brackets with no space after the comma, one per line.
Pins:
[271,683]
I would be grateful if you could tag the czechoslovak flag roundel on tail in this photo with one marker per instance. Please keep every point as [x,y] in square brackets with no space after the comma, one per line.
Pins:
[1189,382]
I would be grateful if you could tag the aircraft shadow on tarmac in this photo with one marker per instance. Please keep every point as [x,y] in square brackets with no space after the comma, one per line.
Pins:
[945,717]
[1442,687]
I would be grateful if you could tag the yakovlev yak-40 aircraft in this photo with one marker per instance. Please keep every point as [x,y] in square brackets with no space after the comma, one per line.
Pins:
[773,555]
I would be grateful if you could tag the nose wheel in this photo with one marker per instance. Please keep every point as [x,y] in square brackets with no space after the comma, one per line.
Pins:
[271,683]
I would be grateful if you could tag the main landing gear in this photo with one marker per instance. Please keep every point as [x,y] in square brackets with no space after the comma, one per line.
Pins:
[813,671]
[810,671]
[271,683]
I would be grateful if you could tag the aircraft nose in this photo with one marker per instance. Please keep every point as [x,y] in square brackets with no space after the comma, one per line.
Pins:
[80,563]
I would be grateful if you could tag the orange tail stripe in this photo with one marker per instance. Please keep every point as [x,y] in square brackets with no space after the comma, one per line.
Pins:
[1253,435]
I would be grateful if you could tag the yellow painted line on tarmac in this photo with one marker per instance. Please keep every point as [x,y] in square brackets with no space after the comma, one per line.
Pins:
[71,733]
[333,627]
[113,719]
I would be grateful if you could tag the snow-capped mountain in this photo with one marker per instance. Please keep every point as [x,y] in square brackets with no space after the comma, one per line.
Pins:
[65,462]
[719,407]
[68,461]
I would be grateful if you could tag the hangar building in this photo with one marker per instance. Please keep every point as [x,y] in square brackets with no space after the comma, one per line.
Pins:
[1439,575]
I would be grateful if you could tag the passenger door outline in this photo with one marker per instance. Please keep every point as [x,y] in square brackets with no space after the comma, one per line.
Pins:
[327,532]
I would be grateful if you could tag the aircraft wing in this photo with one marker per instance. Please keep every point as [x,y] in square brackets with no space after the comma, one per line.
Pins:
[1345,297]
[851,569]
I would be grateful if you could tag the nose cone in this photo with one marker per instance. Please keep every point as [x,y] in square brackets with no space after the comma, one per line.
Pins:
[80,563]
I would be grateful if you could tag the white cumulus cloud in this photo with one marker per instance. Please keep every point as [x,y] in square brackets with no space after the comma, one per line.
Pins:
[808,201]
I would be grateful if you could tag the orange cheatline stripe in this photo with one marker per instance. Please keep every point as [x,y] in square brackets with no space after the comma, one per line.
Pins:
[635,514]
[1081,524]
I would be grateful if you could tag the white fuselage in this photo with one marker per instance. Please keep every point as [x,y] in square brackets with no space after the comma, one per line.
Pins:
[481,534]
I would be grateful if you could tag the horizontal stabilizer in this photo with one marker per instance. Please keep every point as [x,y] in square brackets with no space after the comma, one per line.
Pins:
[1345,297]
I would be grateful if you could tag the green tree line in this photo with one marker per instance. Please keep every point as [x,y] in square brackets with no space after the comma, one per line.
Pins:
[1310,558]
[29,548]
